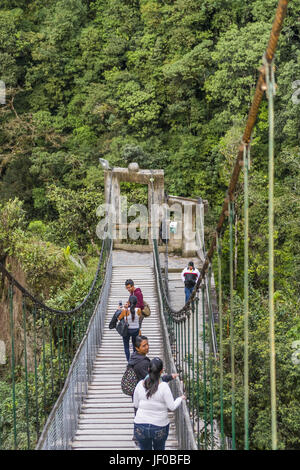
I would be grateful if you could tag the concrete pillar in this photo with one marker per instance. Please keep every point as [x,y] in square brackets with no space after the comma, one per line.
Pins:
[188,239]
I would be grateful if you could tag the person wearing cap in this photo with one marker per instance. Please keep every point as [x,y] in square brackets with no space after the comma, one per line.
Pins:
[189,276]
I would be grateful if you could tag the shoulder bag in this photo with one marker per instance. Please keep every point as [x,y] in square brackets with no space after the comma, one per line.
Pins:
[129,381]
[122,327]
[146,312]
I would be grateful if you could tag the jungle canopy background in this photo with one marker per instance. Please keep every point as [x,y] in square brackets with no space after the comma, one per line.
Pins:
[168,84]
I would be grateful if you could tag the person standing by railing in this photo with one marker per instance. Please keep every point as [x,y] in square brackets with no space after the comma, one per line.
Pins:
[153,399]
[189,276]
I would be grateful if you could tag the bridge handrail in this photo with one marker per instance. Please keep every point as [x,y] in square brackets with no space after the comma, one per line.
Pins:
[182,419]
[245,142]
[62,422]
[45,307]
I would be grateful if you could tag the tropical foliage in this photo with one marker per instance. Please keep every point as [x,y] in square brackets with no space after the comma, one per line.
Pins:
[166,83]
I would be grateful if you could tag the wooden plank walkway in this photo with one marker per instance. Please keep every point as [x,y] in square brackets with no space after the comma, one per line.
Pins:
[106,419]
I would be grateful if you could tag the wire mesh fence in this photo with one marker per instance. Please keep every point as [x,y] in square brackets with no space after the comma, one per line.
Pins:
[44,342]
[62,423]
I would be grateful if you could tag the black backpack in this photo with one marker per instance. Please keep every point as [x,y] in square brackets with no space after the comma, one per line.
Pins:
[190,280]
[129,381]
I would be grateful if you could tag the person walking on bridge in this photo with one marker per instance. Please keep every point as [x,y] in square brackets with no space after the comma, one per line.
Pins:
[153,399]
[189,276]
[133,290]
[133,316]
[129,284]
[140,362]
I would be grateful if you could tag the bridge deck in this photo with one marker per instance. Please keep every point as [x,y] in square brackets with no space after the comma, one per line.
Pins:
[106,420]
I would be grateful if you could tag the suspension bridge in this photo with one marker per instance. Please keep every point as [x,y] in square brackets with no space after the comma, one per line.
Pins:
[73,363]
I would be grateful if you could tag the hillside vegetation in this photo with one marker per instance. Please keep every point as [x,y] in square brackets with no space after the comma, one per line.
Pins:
[168,84]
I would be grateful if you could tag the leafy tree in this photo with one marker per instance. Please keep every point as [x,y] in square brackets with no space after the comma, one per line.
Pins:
[166,83]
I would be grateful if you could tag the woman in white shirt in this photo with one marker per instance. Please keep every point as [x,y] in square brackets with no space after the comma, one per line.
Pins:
[153,399]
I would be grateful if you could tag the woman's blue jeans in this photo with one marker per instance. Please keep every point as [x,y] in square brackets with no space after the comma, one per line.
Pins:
[133,334]
[150,437]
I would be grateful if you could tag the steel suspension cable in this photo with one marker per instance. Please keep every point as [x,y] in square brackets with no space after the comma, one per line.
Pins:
[204,365]
[270,81]
[197,368]
[13,377]
[252,116]
[26,372]
[211,356]
[232,353]
[246,295]
[265,75]
[51,361]
[219,253]
[40,304]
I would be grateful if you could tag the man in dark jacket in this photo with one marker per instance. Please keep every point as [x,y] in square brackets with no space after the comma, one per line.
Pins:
[140,362]
[189,276]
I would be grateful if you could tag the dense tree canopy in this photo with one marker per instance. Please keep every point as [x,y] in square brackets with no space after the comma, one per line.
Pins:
[167,83]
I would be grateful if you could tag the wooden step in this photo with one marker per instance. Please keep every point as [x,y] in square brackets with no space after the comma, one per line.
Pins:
[106,416]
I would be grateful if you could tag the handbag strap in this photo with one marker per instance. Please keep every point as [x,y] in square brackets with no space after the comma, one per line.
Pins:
[140,318]
[126,315]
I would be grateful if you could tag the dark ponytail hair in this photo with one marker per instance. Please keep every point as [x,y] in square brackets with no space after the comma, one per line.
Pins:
[152,381]
[133,302]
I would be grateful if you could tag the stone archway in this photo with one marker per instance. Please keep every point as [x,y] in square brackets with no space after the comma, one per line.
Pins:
[133,174]
[185,241]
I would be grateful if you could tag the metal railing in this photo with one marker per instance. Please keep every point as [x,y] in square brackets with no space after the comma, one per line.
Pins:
[62,422]
[41,361]
[178,321]
[183,424]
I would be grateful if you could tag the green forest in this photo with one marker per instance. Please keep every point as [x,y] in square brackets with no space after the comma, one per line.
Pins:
[167,84]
